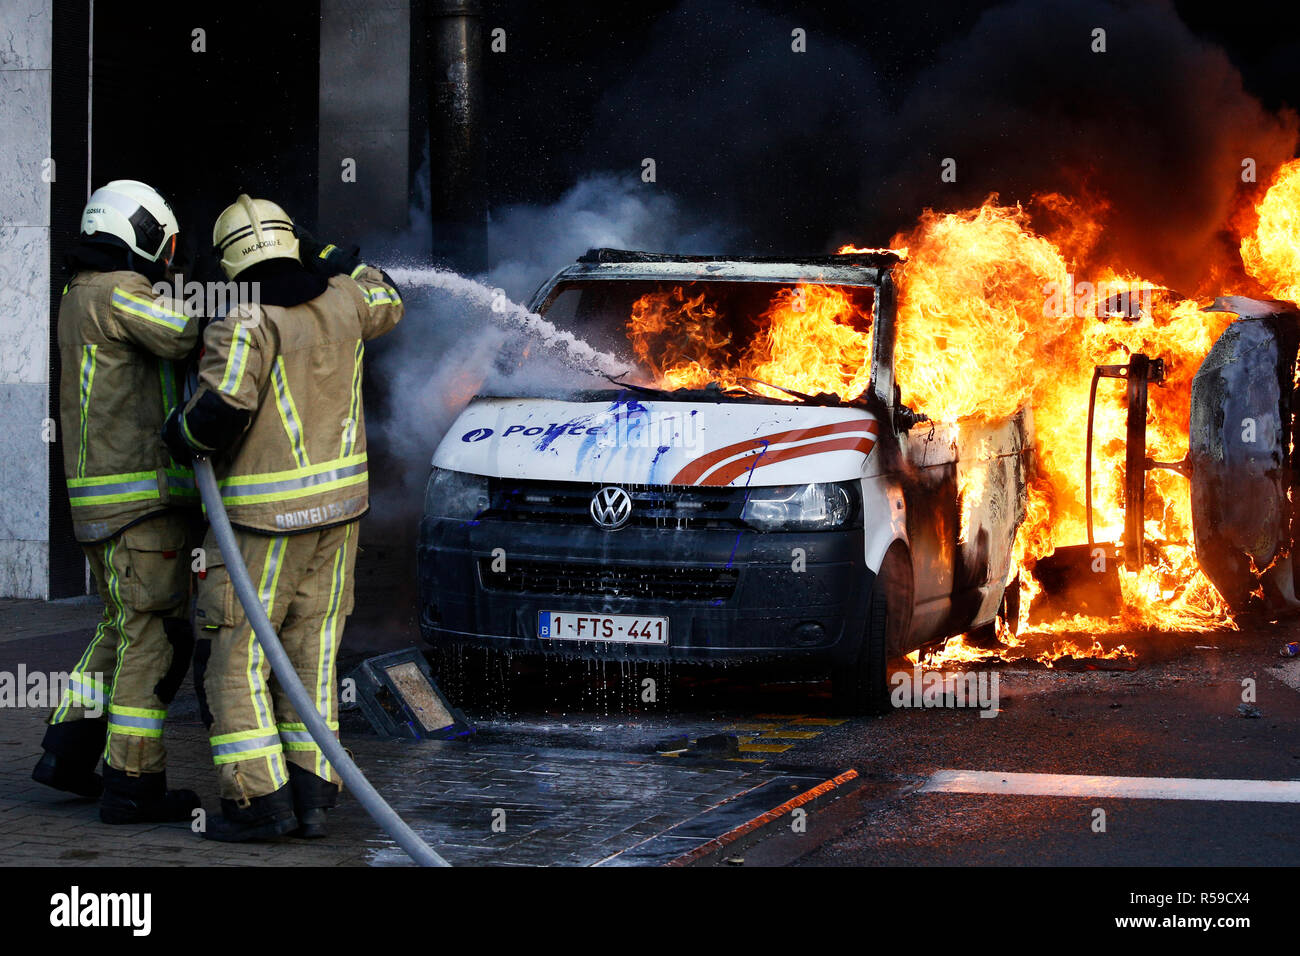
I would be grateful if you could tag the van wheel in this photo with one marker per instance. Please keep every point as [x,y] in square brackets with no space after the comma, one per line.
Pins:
[862,687]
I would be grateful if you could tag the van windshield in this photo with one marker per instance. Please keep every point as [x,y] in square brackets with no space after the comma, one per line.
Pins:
[807,337]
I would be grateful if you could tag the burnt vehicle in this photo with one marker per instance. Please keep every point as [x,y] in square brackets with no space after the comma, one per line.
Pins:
[718,524]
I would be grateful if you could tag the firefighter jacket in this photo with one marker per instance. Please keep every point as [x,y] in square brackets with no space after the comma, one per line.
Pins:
[289,379]
[122,349]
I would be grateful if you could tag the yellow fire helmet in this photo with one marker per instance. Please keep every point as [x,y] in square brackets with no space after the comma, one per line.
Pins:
[249,231]
[134,213]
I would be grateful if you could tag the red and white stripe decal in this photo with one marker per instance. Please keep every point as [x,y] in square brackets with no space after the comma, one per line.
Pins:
[728,463]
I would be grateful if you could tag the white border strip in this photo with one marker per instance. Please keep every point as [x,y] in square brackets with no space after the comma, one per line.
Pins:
[759,451]
[1134,788]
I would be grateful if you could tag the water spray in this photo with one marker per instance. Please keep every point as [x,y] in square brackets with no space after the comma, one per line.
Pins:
[569,348]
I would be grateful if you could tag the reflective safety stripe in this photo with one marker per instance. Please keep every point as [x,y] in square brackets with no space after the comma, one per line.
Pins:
[359,269]
[167,378]
[349,440]
[288,412]
[79,674]
[135,721]
[119,621]
[233,376]
[83,691]
[381,296]
[110,489]
[286,485]
[189,436]
[244,745]
[87,380]
[144,309]
[328,639]
[327,250]
[266,595]
[296,737]
[180,483]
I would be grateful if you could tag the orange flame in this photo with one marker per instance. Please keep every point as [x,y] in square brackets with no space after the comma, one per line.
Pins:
[812,339]
[992,318]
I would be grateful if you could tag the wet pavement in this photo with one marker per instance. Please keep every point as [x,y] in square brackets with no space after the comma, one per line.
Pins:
[570,766]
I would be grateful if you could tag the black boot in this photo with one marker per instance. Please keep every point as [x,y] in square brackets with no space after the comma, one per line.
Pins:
[144,799]
[264,818]
[312,796]
[72,752]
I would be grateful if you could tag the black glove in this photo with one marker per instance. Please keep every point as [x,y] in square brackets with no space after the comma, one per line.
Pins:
[174,439]
[327,259]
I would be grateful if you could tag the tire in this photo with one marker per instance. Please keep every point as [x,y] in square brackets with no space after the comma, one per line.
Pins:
[862,687]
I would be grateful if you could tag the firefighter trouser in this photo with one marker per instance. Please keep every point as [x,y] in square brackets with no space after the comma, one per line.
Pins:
[138,656]
[304,582]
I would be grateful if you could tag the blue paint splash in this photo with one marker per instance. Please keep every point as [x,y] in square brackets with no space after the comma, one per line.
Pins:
[749,477]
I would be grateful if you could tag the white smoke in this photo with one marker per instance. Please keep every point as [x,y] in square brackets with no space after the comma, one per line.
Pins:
[461,337]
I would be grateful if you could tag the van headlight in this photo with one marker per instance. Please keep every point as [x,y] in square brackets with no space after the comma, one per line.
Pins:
[455,494]
[812,507]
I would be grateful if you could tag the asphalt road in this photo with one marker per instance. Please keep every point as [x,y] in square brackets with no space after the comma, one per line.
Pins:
[1176,715]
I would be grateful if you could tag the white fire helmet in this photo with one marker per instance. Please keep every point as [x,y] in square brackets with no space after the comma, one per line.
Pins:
[249,231]
[136,214]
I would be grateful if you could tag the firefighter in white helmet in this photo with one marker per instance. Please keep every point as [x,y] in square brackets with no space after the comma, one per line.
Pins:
[133,508]
[279,411]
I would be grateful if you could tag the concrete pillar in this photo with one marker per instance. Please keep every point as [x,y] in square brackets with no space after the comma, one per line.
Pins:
[25,145]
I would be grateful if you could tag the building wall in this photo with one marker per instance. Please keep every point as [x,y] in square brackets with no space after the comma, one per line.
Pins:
[25,101]
[364,115]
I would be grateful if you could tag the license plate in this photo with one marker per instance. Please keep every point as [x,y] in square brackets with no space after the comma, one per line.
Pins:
[611,628]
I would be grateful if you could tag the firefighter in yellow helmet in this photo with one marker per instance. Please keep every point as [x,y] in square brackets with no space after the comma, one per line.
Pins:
[133,509]
[278,410]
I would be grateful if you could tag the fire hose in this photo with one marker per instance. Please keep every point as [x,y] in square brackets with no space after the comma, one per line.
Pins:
[366,794]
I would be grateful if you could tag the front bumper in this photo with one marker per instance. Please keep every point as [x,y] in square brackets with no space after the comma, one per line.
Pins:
[728,595]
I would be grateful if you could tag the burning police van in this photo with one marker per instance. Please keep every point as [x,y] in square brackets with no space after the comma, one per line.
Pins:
[722,517]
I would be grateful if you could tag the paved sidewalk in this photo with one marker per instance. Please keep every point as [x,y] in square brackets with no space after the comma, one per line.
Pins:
[550,805]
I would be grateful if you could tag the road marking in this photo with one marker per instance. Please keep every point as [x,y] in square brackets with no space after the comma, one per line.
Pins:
[820,722]
[749,748]
[790,734]
[1135,788]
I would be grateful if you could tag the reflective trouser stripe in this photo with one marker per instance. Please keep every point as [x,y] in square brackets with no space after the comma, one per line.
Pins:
[349,440]
[266,594]
[109,489]
[83,690]
[288,412]
[298,737]
[286,485]
[123,639]
[86,691]
[135,721]
[328,640]
[233,376]
[245,745]
[114,615]
[87,380]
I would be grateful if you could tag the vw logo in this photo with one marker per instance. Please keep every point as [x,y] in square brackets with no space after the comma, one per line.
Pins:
[611,508]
